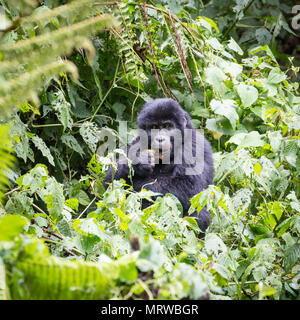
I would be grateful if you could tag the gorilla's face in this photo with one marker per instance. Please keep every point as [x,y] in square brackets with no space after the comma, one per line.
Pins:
[161,135]
[164,121]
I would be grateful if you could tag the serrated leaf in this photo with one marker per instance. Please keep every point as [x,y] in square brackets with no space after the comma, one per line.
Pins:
[89,226]
[90,135]
[291,256]
[41,145]
[263,36]
[235,47]
[72,143]
[214,244]
[62,108]
[53,195]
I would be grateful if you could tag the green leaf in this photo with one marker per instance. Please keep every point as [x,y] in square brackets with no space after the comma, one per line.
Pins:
[210,22]
[226,108]
[128,270]
[291,256]
[11,226]
[88,226]
[265,291]
[90,135]
[291,152]
[35,179]
[53,195]
[252,139]
[62,108]
[235,47]
[294,202]
[41,145]
[214,42]
[263,36]
[275,140]
[277,210]
[20,139]
[72,203]
[72,143]
[151,256]
[247,93]
[214,244]
[276,76]
[215,77]
[257,168]
[21,204]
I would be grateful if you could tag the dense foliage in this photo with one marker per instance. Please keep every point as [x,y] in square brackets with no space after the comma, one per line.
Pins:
[59,229]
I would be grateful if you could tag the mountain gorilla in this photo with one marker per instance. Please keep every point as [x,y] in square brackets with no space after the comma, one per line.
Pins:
[169,156]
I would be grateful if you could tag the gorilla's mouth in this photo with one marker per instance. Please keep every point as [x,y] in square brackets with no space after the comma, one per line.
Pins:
[160,153]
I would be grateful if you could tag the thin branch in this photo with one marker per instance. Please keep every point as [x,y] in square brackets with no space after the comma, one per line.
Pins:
[152,50]
[53,233]
[38,208]
[11,191]
[47,239]
[185,67]
[86,208]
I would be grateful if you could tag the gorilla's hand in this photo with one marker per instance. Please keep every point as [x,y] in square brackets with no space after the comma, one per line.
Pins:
[146,163]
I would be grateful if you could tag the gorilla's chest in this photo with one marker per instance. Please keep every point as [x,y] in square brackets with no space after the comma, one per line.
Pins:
[162,181]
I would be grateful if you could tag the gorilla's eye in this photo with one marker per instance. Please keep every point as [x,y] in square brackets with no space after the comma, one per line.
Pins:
[167,125]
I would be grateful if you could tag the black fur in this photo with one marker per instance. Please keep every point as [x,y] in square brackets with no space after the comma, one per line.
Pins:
[171,178]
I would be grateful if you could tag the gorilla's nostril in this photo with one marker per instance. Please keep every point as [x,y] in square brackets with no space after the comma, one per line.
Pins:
[160,139]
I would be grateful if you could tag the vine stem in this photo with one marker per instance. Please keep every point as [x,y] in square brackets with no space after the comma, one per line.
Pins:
[236,19]
[38,208]
[108,91]
[86,208]
[11,191]
[48,239]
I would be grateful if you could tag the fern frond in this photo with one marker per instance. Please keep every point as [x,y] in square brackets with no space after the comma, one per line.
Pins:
[74,11]
[13,68]
[19,89]
[57,278]
[24,6]
[21,49]
[5,156]
[29,63]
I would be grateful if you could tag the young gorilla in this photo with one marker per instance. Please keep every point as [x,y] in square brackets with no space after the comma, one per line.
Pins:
[179,161]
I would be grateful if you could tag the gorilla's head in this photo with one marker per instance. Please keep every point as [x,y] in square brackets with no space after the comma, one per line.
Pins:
[163,120]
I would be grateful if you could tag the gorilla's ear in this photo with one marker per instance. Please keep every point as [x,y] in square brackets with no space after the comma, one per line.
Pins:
[187,121]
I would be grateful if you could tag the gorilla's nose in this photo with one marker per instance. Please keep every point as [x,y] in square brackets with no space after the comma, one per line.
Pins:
[160,139]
